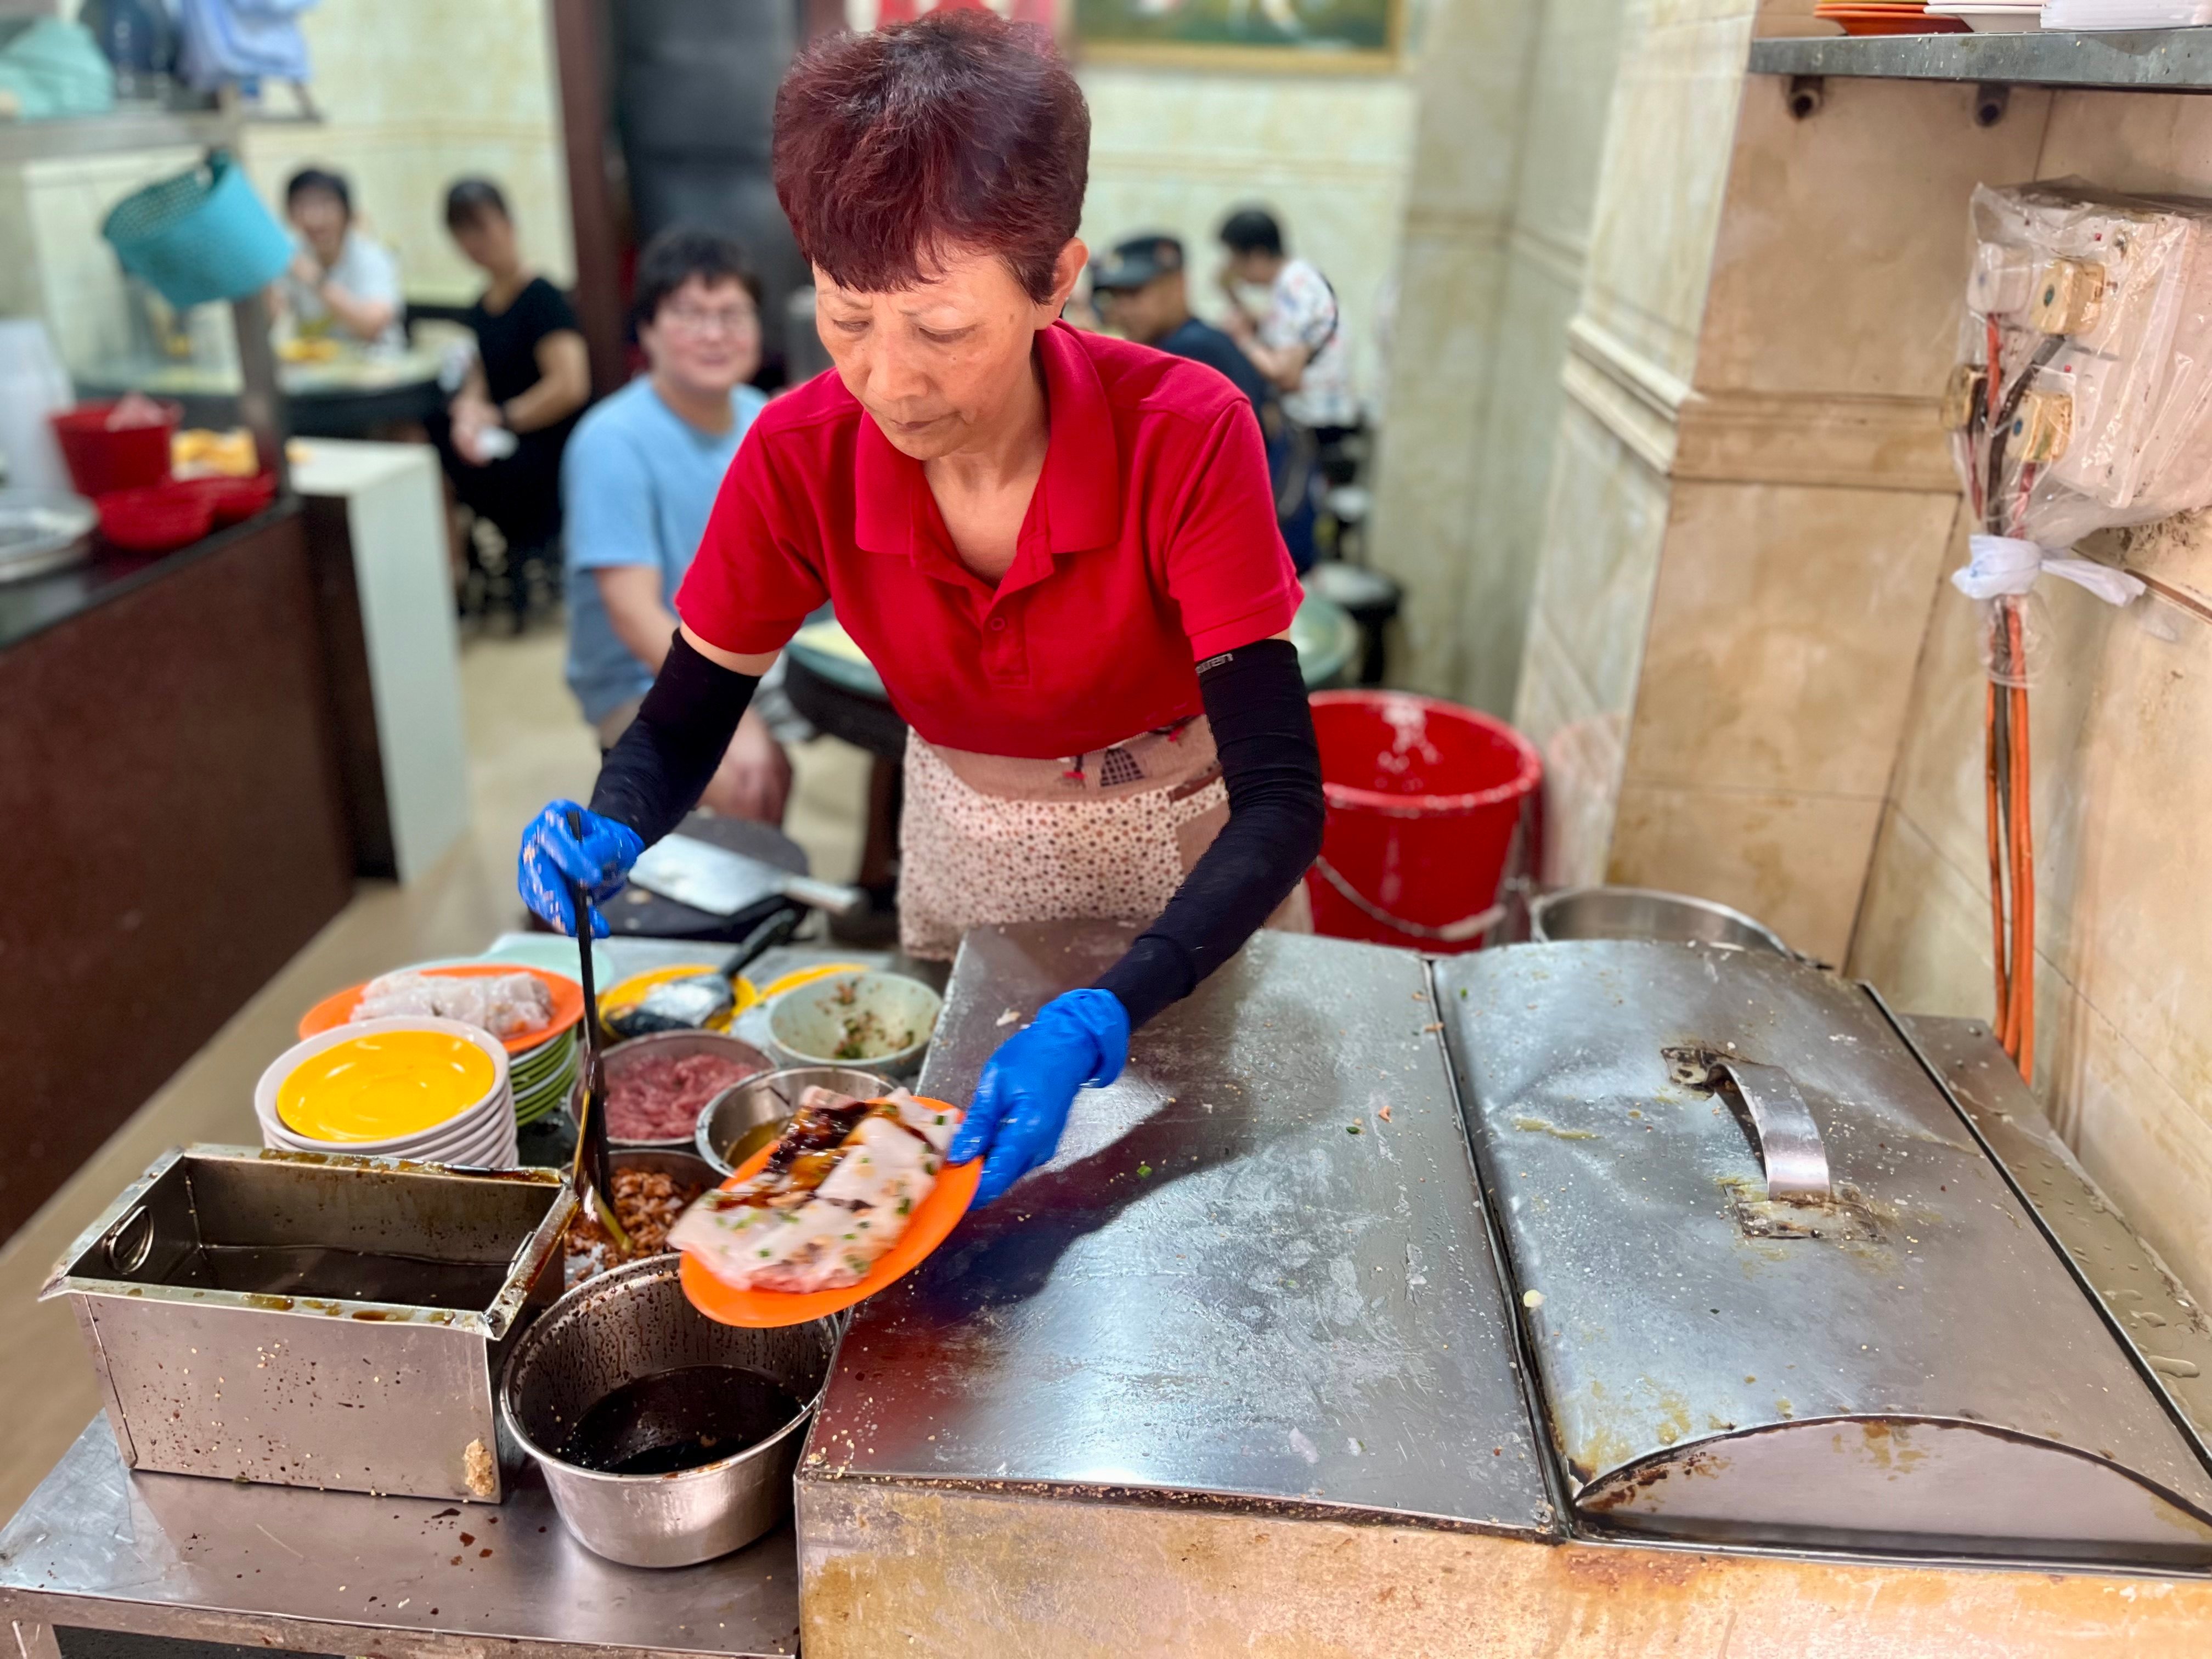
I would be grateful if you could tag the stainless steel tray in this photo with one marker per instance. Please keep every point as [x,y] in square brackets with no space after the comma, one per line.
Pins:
[308,1321]
[1777,1291]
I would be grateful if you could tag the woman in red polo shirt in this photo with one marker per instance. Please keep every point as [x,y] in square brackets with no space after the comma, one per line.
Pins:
[1058,549]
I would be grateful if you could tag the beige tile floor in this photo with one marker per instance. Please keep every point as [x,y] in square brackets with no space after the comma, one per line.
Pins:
[527,745]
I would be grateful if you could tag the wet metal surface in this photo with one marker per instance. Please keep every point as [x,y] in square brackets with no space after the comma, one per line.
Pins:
[2160,1317]
[1911,1367]
[1256,1270]
[101,1546]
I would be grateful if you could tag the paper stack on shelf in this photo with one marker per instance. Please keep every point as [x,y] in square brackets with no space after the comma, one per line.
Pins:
[1992,16]
[2087,14]
[1888,17]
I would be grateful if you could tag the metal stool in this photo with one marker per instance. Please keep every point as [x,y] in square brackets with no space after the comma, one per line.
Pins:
[1372,598]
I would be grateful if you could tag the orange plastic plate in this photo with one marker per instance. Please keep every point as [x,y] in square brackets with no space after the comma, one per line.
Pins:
[335,1010]
[933,1219]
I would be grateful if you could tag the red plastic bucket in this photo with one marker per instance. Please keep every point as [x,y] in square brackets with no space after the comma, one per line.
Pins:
[101,461]
[1423,799]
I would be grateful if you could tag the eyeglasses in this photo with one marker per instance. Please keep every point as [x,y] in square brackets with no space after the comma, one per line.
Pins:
[725,320]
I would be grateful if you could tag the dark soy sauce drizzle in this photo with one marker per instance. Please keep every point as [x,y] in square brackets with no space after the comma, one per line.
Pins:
[679,1419]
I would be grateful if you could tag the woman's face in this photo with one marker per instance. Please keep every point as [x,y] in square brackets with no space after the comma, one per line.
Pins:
[706,337]
[939,363]
[321,219]
[487,241]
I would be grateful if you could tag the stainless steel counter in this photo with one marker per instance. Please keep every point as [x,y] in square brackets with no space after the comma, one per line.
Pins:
[333,1572]
[1256,1272]
[337,1572]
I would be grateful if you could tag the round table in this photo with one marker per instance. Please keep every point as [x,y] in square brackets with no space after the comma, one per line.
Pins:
[832,682]
[350,396]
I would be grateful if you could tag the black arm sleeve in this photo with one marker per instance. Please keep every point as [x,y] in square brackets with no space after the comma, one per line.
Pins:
[1255,699]
[661,765]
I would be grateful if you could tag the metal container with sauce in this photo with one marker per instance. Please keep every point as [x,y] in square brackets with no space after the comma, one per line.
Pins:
[1776,1290]
[312,1320]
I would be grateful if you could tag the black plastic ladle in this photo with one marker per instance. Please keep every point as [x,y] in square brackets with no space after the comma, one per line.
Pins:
[592,1171]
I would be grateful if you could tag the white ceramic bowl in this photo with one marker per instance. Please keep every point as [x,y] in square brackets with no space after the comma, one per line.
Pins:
[495,1146]
[468,1130]
[878,1022]
[486,1144]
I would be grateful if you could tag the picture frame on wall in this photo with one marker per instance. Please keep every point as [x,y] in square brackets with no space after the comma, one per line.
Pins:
[1331,36]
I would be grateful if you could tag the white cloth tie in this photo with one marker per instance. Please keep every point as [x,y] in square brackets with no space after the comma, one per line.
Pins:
[1998,565]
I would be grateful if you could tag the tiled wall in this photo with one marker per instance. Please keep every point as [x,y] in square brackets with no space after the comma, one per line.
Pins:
[1175,150]
[2123,800]
[1749,678]
[416,93]
[57,266]
[1514,95]
[1632,350]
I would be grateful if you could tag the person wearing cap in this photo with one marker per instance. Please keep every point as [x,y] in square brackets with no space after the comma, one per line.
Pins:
[1141,292]
[1058,549]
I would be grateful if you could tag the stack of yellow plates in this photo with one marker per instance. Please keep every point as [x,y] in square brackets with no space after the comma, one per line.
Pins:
[431,1090]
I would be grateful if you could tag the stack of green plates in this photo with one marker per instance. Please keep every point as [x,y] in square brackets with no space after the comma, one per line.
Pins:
[542,1076]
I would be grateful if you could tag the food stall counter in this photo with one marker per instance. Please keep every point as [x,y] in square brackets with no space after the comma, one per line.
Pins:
[203,1560]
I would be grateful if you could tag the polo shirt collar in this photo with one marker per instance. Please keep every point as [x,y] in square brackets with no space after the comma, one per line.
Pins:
[1081,491]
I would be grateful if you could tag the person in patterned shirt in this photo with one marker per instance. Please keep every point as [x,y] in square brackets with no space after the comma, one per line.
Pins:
[1297,342]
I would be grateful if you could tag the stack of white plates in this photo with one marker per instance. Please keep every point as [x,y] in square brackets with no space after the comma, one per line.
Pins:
[542,1076]
[481,1134]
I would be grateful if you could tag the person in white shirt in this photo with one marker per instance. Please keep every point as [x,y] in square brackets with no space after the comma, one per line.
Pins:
[1298,343]
[341,284]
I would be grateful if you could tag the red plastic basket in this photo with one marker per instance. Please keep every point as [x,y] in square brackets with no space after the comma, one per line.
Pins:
[101,461]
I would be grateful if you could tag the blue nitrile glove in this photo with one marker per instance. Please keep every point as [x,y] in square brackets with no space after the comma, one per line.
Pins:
[552,857]
[1021,1105]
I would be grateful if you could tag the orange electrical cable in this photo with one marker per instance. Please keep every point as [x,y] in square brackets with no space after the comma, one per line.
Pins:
[2023,888]
[2003,1003]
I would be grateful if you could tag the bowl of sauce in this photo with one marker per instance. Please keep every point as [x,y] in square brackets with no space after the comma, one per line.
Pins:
[666,1437]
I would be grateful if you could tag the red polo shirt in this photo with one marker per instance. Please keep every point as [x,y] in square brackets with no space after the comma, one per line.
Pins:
[1150,544]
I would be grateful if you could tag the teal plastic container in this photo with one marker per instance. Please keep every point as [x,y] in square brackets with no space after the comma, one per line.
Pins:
[201,236]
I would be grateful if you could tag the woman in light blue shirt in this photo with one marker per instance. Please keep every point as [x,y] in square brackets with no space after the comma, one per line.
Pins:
[637,482]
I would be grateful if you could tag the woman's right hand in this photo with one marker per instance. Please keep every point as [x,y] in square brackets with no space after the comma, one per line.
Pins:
[553,855]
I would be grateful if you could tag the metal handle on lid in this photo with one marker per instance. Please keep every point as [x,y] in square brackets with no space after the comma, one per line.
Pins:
[1789,1145]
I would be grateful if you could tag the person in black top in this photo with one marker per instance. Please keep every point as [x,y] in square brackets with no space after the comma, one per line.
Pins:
[505,428]
[1140,291]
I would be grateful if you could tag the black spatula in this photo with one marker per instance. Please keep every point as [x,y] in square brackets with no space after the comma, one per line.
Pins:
[690,1003]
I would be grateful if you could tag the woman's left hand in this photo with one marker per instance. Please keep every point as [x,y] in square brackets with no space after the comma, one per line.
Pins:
[472,417]
[1021,1105]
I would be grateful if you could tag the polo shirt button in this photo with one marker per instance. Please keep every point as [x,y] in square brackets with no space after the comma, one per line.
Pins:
[998,624]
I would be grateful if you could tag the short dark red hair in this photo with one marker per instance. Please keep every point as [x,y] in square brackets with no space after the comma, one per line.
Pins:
[957,132]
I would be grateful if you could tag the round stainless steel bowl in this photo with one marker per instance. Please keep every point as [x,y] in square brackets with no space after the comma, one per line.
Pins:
[744,1117]
[1643,913]
[622,1055]
[634,1322]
